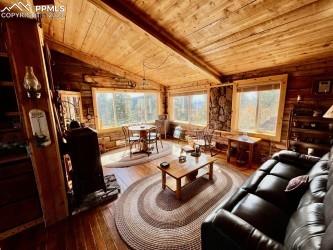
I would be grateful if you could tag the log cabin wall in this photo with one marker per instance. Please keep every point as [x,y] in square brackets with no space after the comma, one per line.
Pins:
[301,77]
[69,75]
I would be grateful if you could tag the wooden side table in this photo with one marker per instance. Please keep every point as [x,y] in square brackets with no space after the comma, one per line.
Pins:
[250,141]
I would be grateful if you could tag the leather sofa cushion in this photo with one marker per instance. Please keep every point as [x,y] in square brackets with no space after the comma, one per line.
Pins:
[234,229]
[328,156]
[286,156]
[231,202]
[295,158]
[287,171]
[316,191]
[328,201]
[306,228]
[262,214]
[321,167]
[330,175]
[271,188]
[327,242]
[251,183]
[268,165]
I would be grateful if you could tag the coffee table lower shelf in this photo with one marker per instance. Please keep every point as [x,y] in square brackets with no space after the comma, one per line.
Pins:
[171,182]
[177,184]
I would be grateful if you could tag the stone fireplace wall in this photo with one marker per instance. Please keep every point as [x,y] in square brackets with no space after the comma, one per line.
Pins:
[220,106]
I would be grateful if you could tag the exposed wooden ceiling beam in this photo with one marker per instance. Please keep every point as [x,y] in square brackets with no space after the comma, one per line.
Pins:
[143,21]
[96,62]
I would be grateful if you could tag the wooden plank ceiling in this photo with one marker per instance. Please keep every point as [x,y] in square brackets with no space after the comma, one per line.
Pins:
[230,36]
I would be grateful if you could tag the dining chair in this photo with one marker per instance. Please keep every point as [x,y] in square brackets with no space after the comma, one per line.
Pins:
[205,139]
[159,135]
[129,139]
[153,136]
[210,143]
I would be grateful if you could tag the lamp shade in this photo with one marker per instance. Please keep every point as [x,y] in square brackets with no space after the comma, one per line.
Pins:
[329,113]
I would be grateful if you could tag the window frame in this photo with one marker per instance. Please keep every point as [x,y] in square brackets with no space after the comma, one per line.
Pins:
[111,90]
[67,93]
[277,79]
[191,93]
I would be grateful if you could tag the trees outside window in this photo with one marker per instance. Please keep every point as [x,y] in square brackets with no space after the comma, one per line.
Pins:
[190,109]
[115,109]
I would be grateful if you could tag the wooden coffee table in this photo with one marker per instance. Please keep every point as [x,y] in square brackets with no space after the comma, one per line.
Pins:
[184,173]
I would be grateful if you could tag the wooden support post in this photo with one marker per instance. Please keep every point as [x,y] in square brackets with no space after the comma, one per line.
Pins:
[25,49]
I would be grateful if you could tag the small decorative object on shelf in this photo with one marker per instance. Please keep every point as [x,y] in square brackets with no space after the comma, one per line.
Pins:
[31,83]
[330,126]
[309,132]
[299,98]
[317,113]
[311,151]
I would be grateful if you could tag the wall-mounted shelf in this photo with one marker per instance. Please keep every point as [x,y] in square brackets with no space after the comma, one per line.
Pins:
[311,119]
[3,54]
[311,145]
[308,131]
[13,158]
[6,84]
[8,130]
[312,131]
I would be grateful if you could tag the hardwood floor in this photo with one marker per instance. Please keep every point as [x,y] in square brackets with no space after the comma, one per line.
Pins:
[96,229]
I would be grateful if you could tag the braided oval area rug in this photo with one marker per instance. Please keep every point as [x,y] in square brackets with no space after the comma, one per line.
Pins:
[148,217]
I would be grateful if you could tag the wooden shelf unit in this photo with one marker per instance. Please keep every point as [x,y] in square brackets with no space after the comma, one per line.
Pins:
[19,199]
[6,84]
[308,131]
[3,54]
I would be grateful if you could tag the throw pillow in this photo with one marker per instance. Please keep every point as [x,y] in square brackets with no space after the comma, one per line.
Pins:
[298,183]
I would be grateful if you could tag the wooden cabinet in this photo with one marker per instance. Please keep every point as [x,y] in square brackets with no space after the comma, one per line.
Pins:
[19,201]
[164,127]
[309,130]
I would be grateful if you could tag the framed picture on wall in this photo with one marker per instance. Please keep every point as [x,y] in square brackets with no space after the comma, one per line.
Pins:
[322,87]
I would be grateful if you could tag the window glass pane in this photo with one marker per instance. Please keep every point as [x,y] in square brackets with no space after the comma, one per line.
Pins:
[247,111]
[116,109]
[268,110]
[105,109]
[122,107]
[180,108]
[198,113]
[151,107]
[137,108]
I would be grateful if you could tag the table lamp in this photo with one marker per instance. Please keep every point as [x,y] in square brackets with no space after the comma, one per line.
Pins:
[329,113]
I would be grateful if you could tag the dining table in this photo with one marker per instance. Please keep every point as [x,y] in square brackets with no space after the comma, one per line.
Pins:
[142,130]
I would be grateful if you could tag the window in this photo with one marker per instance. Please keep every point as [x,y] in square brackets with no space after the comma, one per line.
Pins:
[190,108]
[71,107]
[259,106]
[115,109]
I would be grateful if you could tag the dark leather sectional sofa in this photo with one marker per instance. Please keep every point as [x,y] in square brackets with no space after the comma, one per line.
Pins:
[261,215]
